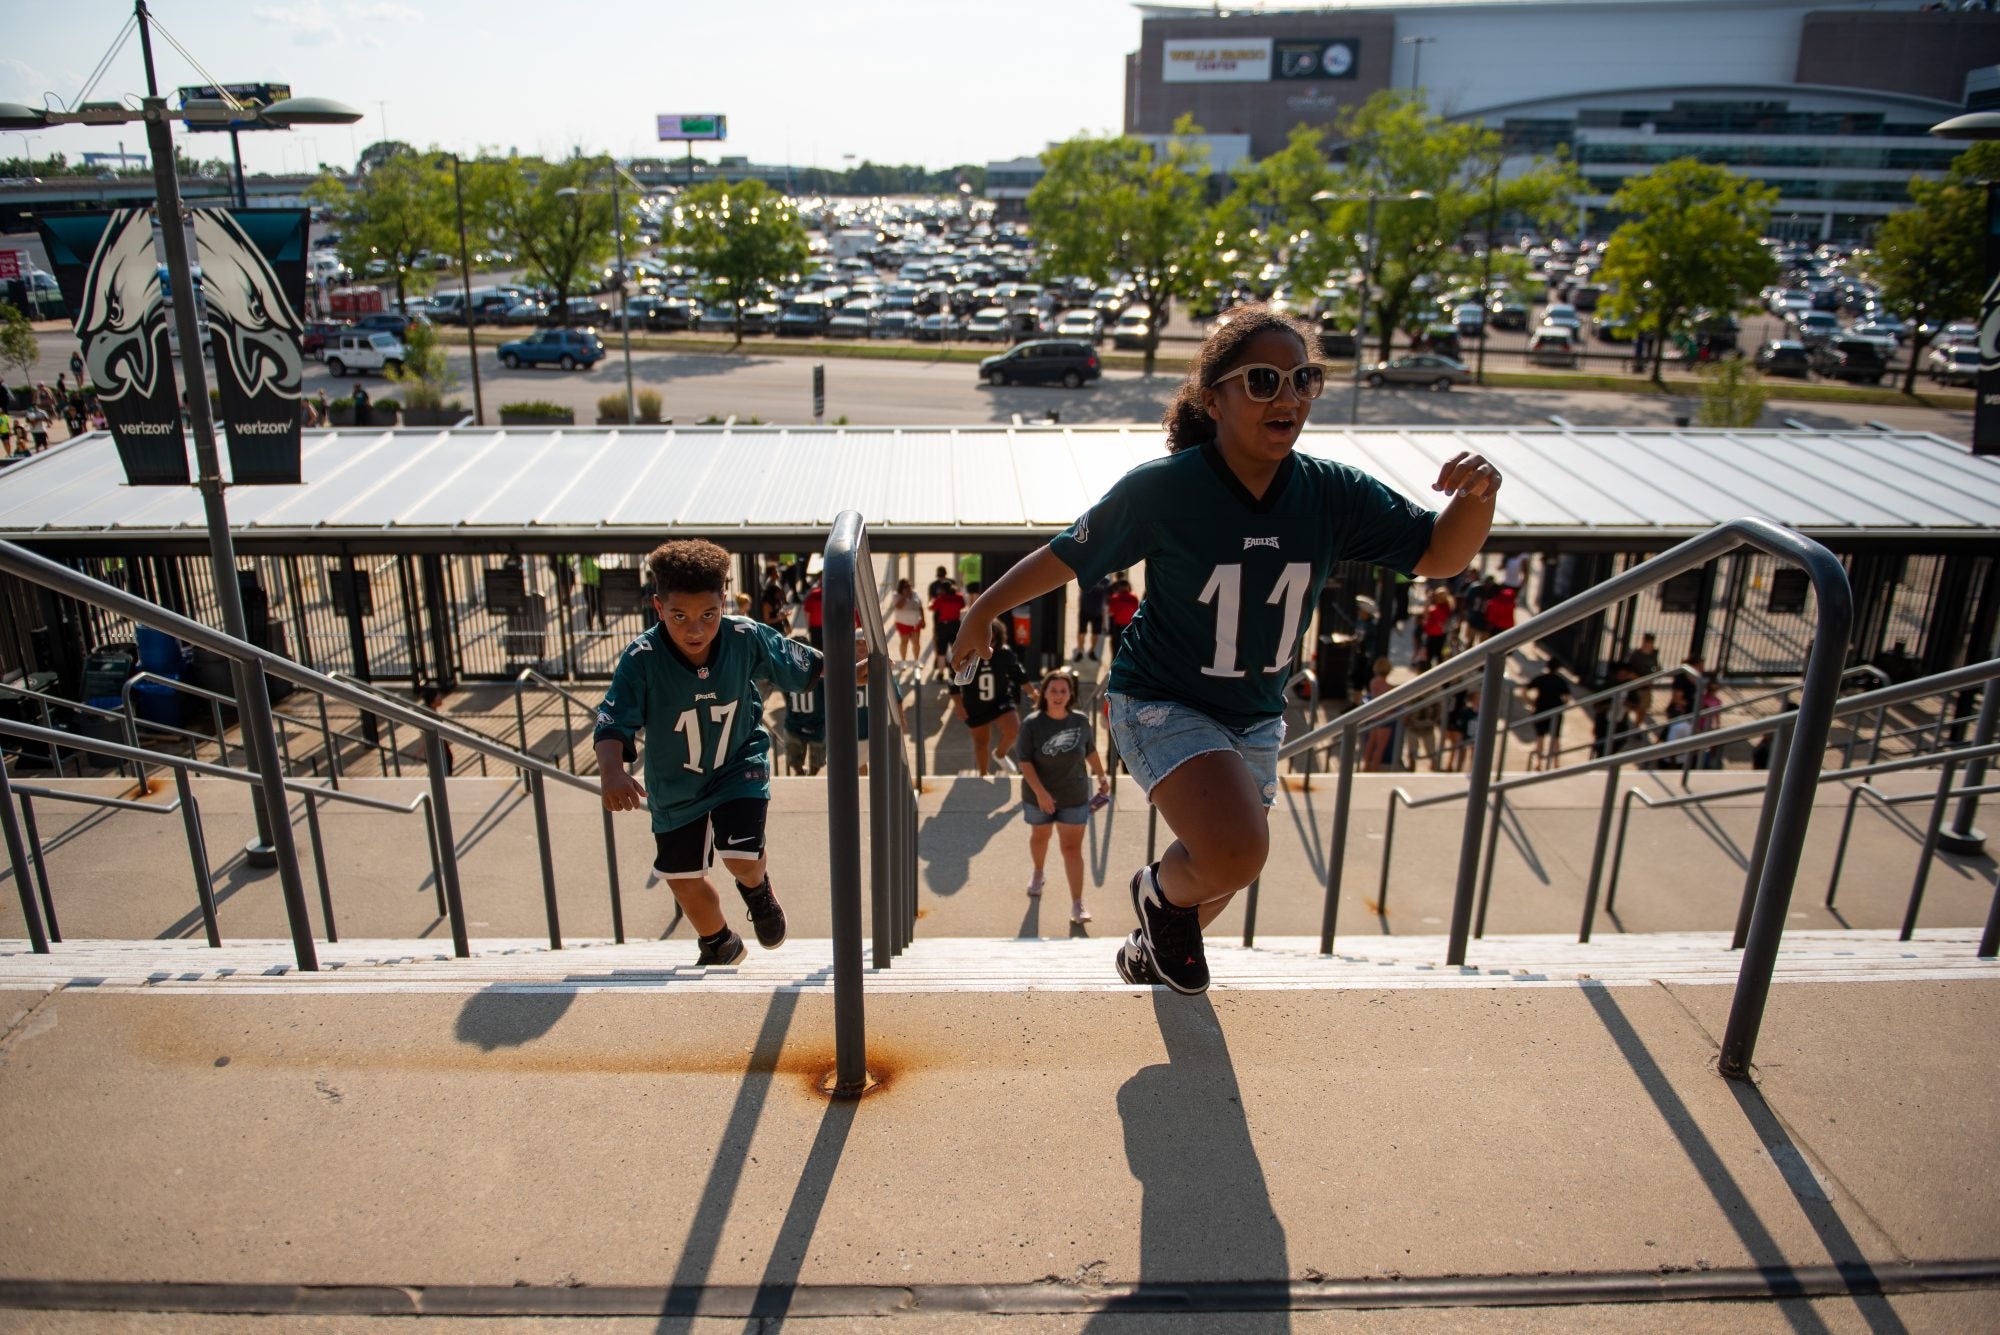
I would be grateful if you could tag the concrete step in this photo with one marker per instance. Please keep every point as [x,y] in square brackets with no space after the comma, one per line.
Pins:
[961,965]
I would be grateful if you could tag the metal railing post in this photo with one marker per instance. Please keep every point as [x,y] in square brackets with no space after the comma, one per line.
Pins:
[1336,851]
[1618,851]
[1499,804]
[1760,843]
[1932,828]
[884,911]
[204,884]
[1398,798]
[41,866]
[1493,682]
[1819,693]
[1603,835]
[1989,940]
[917,709]
[17,857]
[611,878]
[1962,837]
[844,813]
[326,739]
[1152,832]
[447,846]
[1250,914]
[538,791]
[319,867]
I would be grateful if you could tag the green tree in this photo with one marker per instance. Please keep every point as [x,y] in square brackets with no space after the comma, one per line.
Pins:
[555,216]
[1396,147]
[1269,215]
[1119,208]
[18,345]
[1928,259]
[398,211]
[1693,244]
[745,237]
[426,374]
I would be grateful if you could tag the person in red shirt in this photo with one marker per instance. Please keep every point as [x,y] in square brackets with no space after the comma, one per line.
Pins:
[1121,605]
[1500,608]
[1437,625]
[947,607]
[815,630]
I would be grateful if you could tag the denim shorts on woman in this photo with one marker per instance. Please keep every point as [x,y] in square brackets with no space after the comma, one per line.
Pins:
[1156,737]
[1076,815]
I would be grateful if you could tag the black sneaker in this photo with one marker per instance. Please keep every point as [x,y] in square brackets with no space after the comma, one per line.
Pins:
[766,914]
[729,950]
[1172,935]
[1133,966]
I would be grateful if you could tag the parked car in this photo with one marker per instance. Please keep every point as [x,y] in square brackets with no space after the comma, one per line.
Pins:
[1959,331]
[530,311]
[1784,356]
[895,324]
[388,322]
[1852,359]
[856,321]
[1441,339]
[565,348]
[1953,364]
[989,325]
[1081,323]
[1889,330]
[938,328]
[1554,345]
[1813,328]
[1470,320]
[1508,314]
[1613,328]
[1338,342]
[1424,368]
[1132,330]
[1564,315]
[1042,362]
[363,350]
[313,341]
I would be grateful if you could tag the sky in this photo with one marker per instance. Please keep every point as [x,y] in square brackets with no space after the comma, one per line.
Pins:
[935,82]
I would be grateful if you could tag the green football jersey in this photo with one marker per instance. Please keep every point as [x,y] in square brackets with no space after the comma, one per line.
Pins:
[704,725]
[1231,578]
[805,713]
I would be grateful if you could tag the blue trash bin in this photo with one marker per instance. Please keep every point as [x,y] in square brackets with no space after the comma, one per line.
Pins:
[161,654]
[157,702]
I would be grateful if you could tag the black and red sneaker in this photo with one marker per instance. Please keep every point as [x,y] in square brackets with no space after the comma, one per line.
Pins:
[1171,934]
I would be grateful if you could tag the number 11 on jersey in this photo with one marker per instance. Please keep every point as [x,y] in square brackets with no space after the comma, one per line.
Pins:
[1225,590]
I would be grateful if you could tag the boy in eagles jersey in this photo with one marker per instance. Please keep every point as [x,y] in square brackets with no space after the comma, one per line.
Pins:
[690,684]
[1237,532]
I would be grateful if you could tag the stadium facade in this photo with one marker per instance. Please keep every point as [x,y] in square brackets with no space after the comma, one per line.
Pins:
[1831,106]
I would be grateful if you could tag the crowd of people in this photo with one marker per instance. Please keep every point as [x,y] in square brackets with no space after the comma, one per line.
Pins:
[29,427]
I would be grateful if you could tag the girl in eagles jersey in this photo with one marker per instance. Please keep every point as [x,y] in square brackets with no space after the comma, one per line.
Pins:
[1237,531]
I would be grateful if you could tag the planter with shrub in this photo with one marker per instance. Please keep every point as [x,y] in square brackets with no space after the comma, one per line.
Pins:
[447,415]
[536,413]
[611,408]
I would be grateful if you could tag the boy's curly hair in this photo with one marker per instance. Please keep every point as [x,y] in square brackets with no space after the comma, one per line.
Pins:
[691,565]
[1186,421]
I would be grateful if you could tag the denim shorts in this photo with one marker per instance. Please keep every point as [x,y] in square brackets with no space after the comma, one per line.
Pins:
[1156,737]
[1076,815]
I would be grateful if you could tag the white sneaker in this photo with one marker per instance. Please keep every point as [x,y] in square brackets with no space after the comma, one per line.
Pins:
[1035,884]
[1077,912]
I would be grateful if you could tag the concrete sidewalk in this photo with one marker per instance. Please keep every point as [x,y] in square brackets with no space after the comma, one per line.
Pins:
[1061,1156]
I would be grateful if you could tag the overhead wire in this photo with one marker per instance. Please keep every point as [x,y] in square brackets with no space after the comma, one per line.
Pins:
[117,45]
[200,69]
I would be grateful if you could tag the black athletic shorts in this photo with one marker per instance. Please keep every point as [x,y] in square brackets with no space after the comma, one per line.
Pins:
[685,852]
[988,719]
[1090,621]
[946,633]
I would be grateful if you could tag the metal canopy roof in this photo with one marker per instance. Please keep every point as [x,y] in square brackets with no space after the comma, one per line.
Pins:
[943,488]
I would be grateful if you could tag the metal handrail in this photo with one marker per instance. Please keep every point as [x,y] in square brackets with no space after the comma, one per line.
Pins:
[849,593]
[1791,782]
[312,792]
[28,792]
[259,662]
[382,693]
[75,706]
[568,698]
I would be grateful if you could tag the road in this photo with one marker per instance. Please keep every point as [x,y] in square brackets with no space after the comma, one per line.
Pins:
[694,386]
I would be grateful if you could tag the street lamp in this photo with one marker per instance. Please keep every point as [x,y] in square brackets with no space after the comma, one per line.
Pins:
[465,285]
[1963,837]
[1367,273]
[274,844]
[1417,62]
[624,283]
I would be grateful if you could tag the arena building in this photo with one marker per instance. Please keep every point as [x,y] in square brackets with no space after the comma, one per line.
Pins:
[1831,106]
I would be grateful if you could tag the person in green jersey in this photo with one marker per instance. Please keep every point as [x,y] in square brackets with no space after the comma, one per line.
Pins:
[690,683]
[805,727]
[1238,531]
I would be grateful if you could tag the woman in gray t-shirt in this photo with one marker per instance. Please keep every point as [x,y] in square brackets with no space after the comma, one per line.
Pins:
[1055,746]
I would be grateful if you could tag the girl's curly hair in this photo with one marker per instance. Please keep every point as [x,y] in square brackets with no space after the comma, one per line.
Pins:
[1186,421]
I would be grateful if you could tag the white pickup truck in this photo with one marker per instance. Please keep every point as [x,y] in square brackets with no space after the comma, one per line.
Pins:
[364,350]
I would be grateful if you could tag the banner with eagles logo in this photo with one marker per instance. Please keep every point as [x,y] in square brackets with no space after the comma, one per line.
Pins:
[253,282]
[109,274]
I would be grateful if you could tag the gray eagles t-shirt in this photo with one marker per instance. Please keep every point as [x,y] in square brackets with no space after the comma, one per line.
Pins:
[1057,749]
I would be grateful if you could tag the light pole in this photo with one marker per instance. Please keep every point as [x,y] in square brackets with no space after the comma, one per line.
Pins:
[465,283]
[1417,62]
[1367,275]
[274,845]
[1963,837]
[624,284]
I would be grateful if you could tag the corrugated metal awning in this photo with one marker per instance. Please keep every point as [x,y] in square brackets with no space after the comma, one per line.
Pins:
[945,488]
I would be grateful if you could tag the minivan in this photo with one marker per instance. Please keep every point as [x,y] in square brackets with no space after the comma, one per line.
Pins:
[1042,362]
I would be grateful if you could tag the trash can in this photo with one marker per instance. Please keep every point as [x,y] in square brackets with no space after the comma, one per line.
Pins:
[157,702]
